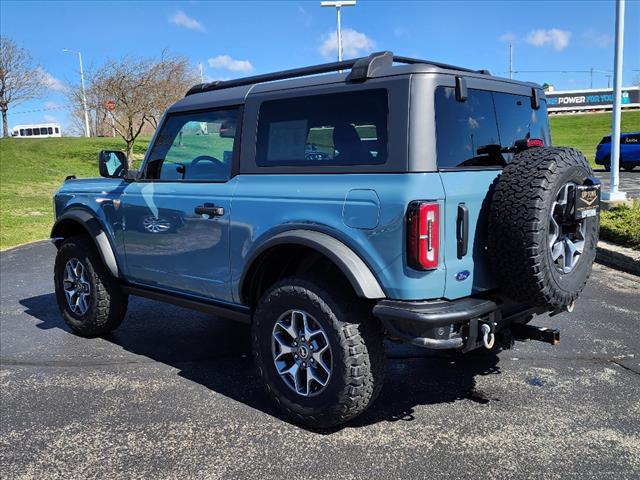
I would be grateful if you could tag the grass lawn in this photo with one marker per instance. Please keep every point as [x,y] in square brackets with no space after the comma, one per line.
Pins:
[585,131]
[31,170]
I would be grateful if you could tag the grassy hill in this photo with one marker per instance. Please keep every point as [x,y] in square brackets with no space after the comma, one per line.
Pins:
[584,132]
[32,169]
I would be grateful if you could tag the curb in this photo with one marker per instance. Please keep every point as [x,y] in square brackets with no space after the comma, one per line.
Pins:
[620,258]
[22,245]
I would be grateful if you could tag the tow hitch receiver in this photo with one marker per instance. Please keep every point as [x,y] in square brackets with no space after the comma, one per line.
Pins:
[531,332]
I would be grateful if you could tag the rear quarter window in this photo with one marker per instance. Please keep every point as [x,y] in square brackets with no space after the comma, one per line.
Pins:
[333,129]
[479,131]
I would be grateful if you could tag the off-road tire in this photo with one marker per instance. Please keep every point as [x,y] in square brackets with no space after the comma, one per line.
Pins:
[356,340]
[107,303]
[519,226]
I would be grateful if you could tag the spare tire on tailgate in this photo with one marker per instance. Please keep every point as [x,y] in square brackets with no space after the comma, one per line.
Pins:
[541,255]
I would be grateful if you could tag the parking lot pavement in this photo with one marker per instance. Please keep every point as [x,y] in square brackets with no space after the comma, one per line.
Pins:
[173,394]
[629,181]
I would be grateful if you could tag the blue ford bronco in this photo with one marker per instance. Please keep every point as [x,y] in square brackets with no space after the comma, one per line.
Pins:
[331,206]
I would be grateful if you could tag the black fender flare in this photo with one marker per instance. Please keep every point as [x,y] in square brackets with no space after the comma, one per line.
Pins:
[95,230]
[358,273]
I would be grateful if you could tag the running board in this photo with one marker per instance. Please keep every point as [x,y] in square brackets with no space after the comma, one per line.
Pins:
[231,312]
[531,332]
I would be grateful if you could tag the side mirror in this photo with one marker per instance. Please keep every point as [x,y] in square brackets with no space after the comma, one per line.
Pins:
[112,164]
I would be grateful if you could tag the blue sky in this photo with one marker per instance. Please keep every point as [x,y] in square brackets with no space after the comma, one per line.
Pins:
[234,39]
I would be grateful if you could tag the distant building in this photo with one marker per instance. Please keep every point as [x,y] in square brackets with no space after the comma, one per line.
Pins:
[590,100]
[37,130]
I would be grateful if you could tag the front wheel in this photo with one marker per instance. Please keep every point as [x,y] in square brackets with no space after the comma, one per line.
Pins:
[89,298]
[628,166]
[318,351]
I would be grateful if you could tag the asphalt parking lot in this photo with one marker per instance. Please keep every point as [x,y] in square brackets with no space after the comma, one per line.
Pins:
[629,181]
[173,394]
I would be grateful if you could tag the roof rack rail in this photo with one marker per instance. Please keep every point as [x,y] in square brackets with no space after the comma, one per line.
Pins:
[361,69]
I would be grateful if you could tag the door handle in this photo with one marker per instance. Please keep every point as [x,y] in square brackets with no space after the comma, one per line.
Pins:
[209,209]
[462,230]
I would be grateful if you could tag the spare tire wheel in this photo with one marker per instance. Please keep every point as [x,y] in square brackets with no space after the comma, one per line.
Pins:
[541,255]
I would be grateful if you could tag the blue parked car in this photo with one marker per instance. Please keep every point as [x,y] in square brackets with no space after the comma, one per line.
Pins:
[388,197]
[629,151]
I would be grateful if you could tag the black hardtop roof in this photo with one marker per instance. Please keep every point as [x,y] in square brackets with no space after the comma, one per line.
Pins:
[376,64]
[359,70]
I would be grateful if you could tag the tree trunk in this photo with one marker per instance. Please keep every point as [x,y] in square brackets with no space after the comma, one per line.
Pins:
[5,127]
[130,153]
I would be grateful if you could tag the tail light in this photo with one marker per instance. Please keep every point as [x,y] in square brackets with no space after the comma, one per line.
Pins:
[423,225]
[535,142]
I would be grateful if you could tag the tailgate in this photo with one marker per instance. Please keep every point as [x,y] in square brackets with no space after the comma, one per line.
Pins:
[466,196]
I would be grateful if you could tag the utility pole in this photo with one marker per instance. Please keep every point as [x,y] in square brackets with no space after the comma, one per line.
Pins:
[510,61]
[591,78]
[614,181]
[87,131]
[201,72]
[338,5]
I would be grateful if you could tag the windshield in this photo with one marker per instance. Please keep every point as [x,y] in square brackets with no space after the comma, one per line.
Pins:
[484,129]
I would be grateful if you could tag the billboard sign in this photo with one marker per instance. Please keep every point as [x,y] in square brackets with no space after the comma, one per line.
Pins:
[591,99]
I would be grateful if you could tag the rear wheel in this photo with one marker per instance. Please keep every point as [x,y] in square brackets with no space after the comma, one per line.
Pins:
[628,166]
[89,298]
[607,164]
[318,350]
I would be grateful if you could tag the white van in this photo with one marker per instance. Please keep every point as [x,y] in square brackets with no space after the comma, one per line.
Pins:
[38,130]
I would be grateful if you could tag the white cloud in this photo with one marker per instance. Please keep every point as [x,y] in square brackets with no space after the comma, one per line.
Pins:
[354,44]
[227,63]
[554,37]
[592,38]
[508,37]
[52,83]
[50,119]
[181,19]
[52,105]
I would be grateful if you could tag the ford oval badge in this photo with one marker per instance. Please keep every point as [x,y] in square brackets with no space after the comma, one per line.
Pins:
[462,276]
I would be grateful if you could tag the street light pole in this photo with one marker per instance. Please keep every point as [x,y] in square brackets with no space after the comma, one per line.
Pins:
[614,181]
[87,131]
[338,5]
[510,61]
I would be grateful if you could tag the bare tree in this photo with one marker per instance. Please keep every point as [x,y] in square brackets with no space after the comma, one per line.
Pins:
[173,77]
[141,89]
[20,79]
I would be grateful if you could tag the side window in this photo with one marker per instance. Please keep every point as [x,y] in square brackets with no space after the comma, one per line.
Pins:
[466,132]
[49,130]
[29,132]
[334,129]
[57,131]
[632,139]
[194,146]
[22,132]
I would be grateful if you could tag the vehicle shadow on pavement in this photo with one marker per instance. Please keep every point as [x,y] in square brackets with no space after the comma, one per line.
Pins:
[217,354]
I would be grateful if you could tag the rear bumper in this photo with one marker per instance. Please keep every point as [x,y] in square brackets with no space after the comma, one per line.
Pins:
[446,324]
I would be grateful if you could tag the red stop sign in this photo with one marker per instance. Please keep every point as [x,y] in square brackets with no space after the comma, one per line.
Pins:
[111,105]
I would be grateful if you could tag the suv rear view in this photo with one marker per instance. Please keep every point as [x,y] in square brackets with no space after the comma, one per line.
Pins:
[418,201]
